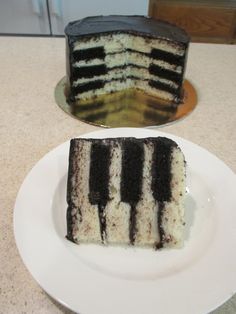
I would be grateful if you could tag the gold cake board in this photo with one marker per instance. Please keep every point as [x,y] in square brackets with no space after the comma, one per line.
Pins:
[129,108]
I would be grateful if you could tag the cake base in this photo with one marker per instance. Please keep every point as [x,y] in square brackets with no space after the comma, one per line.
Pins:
[129,108]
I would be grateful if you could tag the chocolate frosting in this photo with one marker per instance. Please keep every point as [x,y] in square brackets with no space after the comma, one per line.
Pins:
[135,24]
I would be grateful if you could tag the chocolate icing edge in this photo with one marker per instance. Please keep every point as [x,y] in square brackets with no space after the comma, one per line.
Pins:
[132,24]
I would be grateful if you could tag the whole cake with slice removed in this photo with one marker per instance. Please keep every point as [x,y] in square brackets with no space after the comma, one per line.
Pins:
[126,191]
[106,54]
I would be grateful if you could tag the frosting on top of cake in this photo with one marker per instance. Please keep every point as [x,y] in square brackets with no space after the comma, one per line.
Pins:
[135,24]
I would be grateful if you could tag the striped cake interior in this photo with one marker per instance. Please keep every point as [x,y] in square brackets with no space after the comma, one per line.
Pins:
[113,62]
[126,191]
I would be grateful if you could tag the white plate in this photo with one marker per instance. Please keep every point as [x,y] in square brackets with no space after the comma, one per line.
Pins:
[94,279]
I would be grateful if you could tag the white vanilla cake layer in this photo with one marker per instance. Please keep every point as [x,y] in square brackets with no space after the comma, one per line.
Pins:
[173,213]
[119,42]
[147,208]
[87,226]
[117,212]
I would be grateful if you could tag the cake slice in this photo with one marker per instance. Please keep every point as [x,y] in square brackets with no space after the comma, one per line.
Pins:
[126,191]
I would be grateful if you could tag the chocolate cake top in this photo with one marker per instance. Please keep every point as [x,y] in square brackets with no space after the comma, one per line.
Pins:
[135,24]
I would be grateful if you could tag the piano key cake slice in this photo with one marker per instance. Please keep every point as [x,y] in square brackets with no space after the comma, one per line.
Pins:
[126,191]
[107,54]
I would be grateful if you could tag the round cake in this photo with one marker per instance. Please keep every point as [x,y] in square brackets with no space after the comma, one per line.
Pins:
[106,54]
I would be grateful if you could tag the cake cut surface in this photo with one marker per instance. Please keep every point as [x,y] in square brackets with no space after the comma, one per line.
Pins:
[106,54]
[126,191]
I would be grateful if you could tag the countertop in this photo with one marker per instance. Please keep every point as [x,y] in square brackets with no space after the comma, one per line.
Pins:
[32,124]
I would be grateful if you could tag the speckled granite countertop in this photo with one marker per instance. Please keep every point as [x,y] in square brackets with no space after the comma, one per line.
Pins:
[31,125]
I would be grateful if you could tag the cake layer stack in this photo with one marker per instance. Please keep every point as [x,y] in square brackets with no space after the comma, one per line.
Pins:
[113,53]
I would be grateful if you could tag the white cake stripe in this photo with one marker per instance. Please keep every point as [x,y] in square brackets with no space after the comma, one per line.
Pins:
[117,212]
[147,233]
[173,212]
[88,226]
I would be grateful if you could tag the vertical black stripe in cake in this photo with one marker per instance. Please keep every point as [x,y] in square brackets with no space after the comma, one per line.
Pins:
[123,52]
[131,169]
[161,179]
[126,191]
[98,181]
